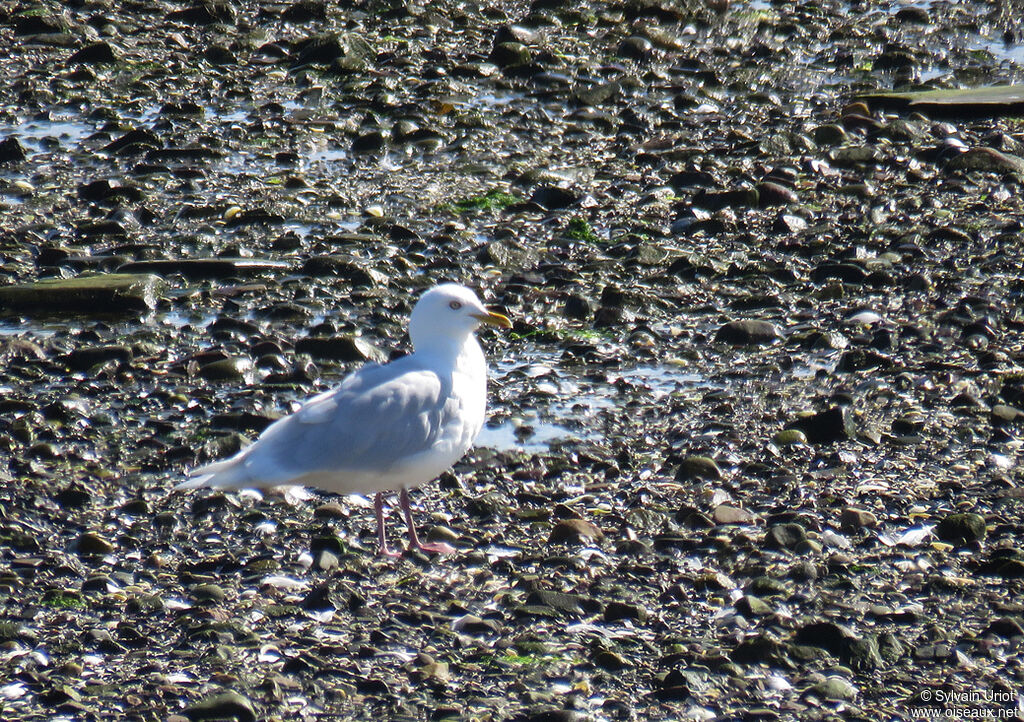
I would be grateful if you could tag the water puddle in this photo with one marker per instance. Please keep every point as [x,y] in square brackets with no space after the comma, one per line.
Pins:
[1002,51]
[553,404]
[28,329]
[43,134]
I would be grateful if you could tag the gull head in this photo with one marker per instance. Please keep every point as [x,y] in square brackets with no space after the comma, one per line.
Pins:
[449,313]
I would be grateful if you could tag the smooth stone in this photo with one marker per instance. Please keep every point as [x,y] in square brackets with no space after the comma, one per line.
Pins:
[91,543]
[717,200]
[785,536]
[615,611]
[575,531]
[852,518]
[575,604]
[223,706]
[111,293]
[728,514]
[748,332]
[834,688]
[790,437]
[95,53]
[1005,627]
[208,593]
[961,529]
[234,368]
[751,606]
[698,467]
[340,348]
[774,194]
[610,661]
[205,267]
[1003,414]
[987,160]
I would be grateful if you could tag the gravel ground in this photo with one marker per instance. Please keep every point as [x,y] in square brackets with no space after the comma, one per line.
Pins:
[755,439]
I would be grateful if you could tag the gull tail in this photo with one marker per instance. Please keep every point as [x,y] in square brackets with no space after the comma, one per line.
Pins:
[229,473]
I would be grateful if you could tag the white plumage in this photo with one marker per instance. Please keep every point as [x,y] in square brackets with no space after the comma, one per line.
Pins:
[384,428]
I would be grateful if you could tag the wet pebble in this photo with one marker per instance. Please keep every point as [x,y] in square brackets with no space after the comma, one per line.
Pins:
[961,529]
[785,536]
[748,332]
[90,543]
[826,427]
[222,706]
[340,348]
[11,151]
[575,531]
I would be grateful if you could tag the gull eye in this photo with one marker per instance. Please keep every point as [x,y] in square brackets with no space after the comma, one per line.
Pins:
[455,305]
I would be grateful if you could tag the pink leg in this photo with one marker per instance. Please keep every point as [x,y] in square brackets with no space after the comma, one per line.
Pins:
[414,540]
[382,543]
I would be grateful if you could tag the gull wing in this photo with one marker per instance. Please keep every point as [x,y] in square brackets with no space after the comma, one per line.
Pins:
[376,416]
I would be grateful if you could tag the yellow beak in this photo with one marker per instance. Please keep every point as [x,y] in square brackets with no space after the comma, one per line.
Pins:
[493,319]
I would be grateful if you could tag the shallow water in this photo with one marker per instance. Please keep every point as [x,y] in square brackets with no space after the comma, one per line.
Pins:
[567,405]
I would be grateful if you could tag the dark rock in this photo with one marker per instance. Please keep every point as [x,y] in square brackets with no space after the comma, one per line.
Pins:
[636,48]
[748,332]
[206,267]
[346,51]
[223,706]
[113,293]
[219,55]
[509,53]
[83,359]
[987,160]
[1005,627]
[574,604]
[761,649]
[370,142]
[698,467]
[41,24]
[578,308]
[553,715]
[356,274]
[95,53]
[716,200]
[305,11]
[827,427]
[208,593]
[845,272]
[554,198]
[89,544]
[106,190]
[205,13]
[233,368]
[11,151]
[615,611]
[773,194]
[750,606]
[340,348]
[961,529]
[575,531]
[852,519]
[134,141]
[610,661]
[914,15]
[784,536]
